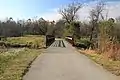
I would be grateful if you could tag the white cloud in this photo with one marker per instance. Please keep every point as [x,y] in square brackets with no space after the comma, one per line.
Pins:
[112,7]
[84,12]
[51,15]
[15,14]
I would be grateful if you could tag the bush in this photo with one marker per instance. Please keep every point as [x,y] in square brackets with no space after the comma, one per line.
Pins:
[84,43]
[81,45]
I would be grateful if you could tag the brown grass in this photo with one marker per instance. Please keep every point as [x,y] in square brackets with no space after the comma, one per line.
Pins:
[112,51]
[13,65]
[108,63]
[30,41]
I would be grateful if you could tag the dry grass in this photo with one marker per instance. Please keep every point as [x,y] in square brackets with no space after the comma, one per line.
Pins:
[33,40]
[113,51]
[108,63]
[13,64]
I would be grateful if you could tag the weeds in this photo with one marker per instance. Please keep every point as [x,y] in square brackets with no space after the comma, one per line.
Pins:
[108,63]
[14,64]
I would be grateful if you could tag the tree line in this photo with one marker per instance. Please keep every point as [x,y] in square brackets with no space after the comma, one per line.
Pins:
[11,28]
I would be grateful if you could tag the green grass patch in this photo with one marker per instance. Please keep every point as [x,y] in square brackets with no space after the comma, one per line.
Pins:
[13,64]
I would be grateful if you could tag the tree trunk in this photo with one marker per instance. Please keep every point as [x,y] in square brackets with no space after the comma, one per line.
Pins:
[91,35]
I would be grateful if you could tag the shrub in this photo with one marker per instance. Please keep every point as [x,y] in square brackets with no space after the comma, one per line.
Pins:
[113,51]
[81,45]
[84,43]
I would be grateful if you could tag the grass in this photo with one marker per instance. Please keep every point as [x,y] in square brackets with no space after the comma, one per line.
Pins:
[13,64]
[26,39]
[32,40]
[109,64]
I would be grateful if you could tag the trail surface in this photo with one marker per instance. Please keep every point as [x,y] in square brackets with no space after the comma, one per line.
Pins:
[62,62]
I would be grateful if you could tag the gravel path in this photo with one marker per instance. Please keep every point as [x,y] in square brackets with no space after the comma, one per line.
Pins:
[65,63]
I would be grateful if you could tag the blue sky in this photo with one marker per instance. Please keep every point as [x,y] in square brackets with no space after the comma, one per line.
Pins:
[19,9]
[28,8]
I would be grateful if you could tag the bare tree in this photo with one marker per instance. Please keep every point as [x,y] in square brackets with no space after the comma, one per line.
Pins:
[95,15]
[69,13]
[59,28]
